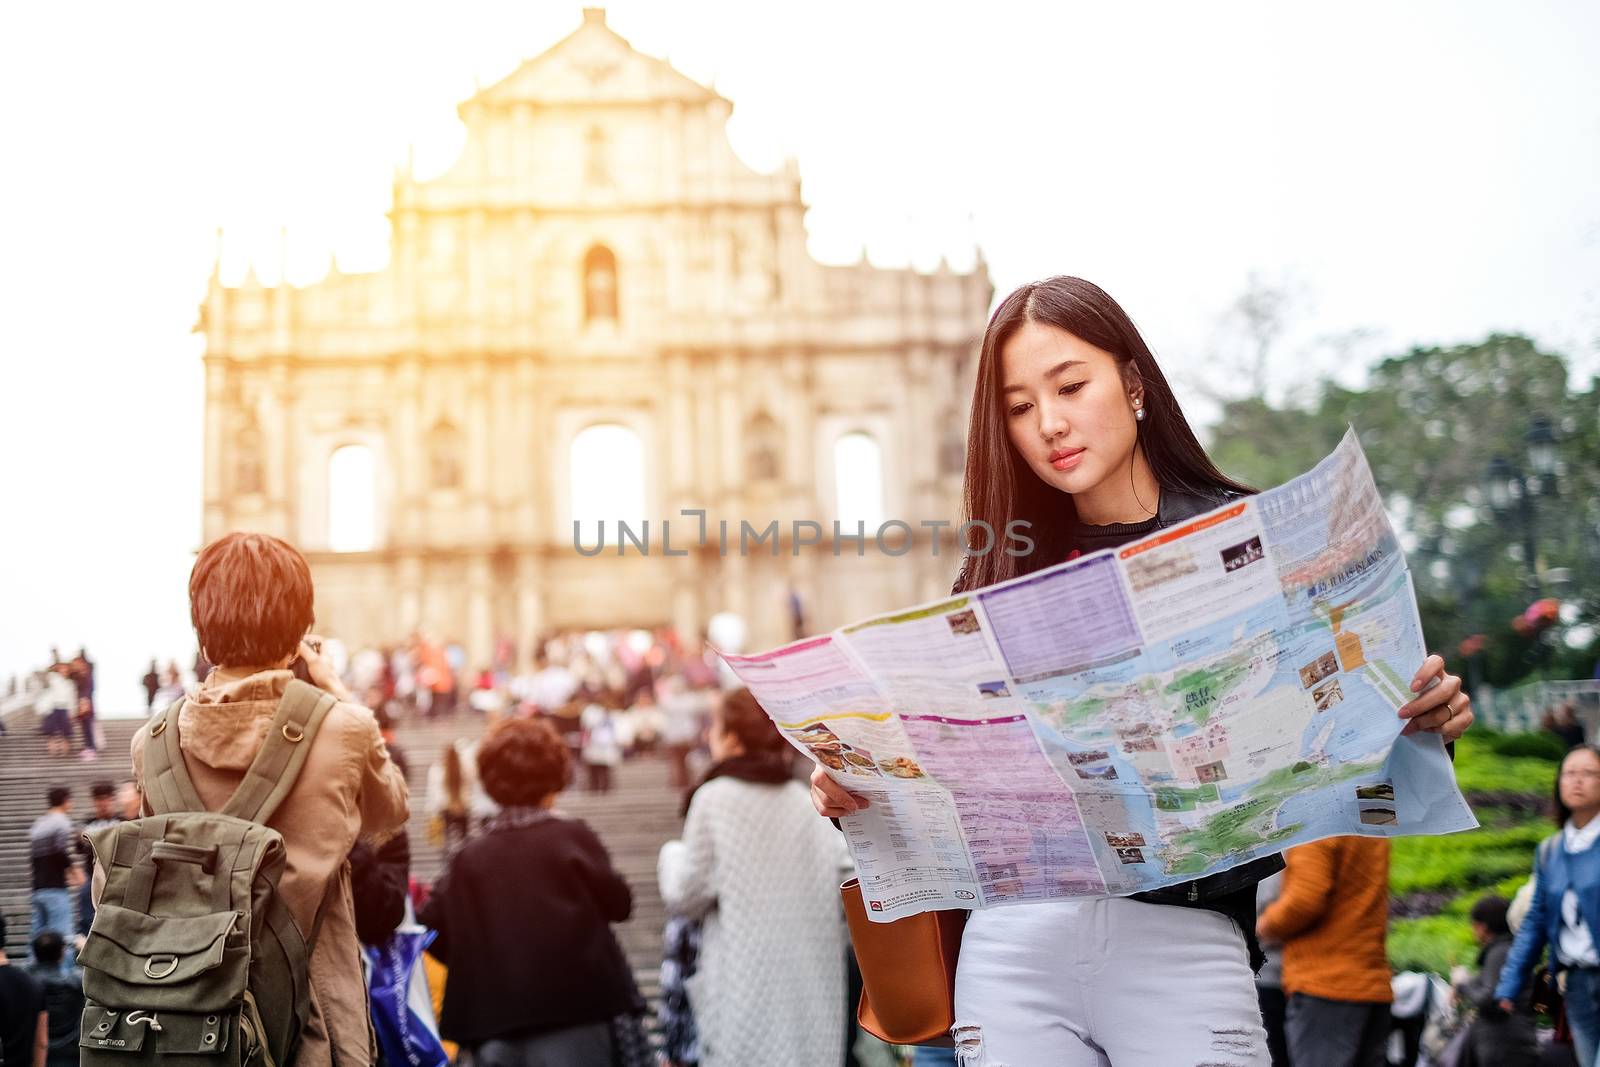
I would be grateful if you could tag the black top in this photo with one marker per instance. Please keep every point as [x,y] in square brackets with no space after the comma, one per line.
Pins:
[63,1001]
[523,916]
[1112,535]
[21,1001]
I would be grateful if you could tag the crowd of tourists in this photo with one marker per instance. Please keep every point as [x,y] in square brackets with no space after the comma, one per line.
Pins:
[1280,960]
[62,698]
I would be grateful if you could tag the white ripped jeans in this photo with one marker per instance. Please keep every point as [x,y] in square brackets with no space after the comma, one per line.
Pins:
[1109,982]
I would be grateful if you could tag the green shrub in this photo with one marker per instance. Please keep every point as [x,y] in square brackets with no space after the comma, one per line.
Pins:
[1434,943]
[1480,768]
[1537,745]
[1469,860]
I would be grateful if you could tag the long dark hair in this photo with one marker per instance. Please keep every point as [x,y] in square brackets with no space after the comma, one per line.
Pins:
[1560,812]
[1001,488]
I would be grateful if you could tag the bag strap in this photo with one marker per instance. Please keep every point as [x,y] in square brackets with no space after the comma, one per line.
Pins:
[1546,847]
[273,772]
[167,785]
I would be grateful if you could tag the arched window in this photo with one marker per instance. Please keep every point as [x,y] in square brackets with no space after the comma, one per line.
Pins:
[858,480]
[764,444]
[444,457]
[352,499]
[607,467]
[247,461]
[599,285]
[598,170]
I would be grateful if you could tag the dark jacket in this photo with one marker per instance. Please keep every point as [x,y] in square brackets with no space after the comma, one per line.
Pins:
[523,916]
[1497,1039]
[380,880]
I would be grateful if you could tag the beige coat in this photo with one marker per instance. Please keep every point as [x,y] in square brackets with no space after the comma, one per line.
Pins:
[347,787]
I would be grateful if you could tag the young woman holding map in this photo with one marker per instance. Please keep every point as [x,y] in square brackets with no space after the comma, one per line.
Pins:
[1075,430]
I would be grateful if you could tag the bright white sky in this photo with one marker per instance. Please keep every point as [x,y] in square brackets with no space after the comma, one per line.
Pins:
[1425,170]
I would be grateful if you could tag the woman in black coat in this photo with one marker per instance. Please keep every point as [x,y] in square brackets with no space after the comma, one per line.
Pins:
[524,914]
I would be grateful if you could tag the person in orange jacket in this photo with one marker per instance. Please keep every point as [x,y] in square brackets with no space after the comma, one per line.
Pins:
[1332,918]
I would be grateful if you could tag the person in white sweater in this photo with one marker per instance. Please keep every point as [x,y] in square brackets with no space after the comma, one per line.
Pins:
[763,871]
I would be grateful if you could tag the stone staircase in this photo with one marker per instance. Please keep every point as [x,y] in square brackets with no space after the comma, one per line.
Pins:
[634,819]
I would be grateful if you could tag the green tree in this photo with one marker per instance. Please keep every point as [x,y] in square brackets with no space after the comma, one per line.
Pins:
[1431,421]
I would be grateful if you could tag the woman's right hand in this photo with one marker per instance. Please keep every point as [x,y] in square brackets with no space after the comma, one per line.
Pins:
[830,798]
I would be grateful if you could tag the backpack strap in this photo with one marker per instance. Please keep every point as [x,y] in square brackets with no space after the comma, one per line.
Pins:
[167,785]
[1546,848]
[273,772]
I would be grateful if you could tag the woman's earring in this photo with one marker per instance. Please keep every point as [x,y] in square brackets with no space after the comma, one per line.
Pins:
[1138,414]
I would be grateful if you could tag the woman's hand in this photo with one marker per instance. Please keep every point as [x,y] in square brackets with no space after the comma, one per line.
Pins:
[830,798]
[321,671]
[1440,706]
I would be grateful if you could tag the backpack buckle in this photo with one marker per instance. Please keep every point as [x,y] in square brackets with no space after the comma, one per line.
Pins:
[160,966]
[297,734]
[161,724]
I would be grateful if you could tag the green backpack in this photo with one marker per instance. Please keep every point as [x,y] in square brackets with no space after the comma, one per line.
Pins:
[193,951]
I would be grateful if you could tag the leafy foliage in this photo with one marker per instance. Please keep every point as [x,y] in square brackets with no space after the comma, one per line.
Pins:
[1483,767]
[1432,943]
[1469,860]
[1431,420]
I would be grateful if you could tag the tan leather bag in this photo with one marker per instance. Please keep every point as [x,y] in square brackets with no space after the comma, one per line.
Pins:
[908,972]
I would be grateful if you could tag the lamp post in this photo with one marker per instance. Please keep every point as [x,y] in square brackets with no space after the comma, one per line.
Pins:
[1511,486]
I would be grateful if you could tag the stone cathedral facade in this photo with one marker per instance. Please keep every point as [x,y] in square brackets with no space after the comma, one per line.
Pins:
[598,308]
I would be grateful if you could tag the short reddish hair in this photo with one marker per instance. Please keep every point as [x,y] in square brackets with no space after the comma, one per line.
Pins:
[522,761]
[250,599]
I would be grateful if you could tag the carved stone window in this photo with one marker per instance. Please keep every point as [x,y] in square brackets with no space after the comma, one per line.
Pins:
[444,457]
[764,458]
[600,285]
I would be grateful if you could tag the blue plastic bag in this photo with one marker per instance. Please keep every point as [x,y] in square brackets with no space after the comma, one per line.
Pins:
[402,1011]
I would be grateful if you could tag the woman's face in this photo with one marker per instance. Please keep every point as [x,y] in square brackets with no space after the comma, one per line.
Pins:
[1580,780]
[1068,412]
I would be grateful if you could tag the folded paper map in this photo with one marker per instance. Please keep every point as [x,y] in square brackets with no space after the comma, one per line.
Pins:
[1140,717]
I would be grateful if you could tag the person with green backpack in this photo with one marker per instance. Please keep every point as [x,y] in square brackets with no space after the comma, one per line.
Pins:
[224,927]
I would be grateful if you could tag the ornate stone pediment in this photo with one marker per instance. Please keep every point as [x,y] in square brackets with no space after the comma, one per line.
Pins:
[592,65]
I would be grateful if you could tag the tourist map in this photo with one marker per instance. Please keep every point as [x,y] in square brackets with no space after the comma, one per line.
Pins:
[1143,716]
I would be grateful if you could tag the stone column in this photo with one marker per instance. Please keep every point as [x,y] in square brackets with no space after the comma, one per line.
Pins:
[410,477]
[530,606]
[480,611]
[280,434]
[220,413]
[478,429]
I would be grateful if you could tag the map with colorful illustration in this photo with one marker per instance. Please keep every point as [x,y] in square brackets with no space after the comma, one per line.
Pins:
[1141,717]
